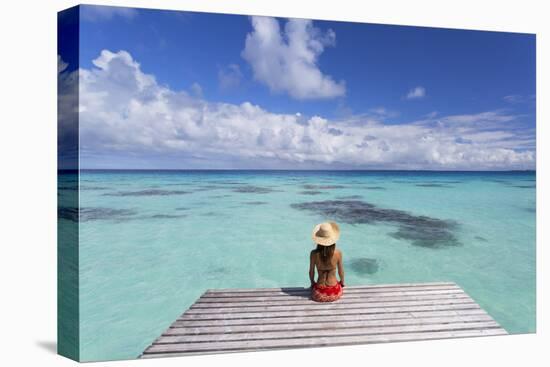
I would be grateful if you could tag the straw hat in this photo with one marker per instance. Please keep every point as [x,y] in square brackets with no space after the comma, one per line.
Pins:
[325,234]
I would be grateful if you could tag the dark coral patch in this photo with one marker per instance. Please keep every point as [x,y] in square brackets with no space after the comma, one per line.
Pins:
[420,230]
[249,189]
[211,214]
[93,188]
[350,197]
[310,192]
[208,188]
[168,216]
[68,213]
[151,192]
[364,266]
[217,272]
[432,185]
[87,214]
[322,187]
[68,188]
[525,186]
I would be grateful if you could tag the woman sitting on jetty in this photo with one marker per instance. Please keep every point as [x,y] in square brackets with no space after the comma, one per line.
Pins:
[326,258]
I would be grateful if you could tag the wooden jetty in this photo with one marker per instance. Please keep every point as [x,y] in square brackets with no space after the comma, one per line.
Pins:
[238,320]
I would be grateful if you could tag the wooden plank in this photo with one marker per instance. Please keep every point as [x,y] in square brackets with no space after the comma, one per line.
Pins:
[316,341]
[402,285]
[425,337]
[463,312]
[331,318]
[348,331]
[326,312]
[232,320]
[313,306]
[201,303]
[328,319]
[320,325]
[307,291]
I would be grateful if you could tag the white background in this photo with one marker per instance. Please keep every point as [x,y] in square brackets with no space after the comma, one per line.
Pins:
[28,68]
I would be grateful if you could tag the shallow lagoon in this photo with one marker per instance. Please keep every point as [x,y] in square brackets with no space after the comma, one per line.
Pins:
[151,242]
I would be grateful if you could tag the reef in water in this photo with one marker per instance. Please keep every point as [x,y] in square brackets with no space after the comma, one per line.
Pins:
[310,192]
[364,266]
[151,192]
[431,184]
[249,189]
[375,188]
[419,230]
[322,187]
[87,214]
[167,216]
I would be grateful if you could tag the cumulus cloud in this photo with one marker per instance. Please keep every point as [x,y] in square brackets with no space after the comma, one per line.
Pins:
[519,99]
[383,113]
[96,13]
[129,120]
[230,76]
[513,98]
[196,89]
[287,60]
[67,115]
[61,65]
[416,93]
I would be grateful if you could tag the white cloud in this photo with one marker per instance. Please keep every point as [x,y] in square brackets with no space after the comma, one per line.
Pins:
[67,115]
[482,117]
[519,99]
[96,13]
[230,76]
[513,98]
[61,65]
[383,113]
[196,89]
[128,120]
[287,60]
[416,93]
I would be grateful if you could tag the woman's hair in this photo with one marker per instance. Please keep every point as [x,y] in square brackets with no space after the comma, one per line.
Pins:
[326,252]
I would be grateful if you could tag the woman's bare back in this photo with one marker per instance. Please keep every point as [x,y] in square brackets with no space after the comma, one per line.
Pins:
[327,272]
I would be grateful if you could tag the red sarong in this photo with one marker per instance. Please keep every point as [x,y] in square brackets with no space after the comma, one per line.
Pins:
[326,293]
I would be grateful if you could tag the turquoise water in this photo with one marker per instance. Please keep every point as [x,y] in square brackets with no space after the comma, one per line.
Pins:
[152,242]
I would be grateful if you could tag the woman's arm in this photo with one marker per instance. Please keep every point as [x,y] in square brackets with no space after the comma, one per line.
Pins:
[312,268]
[341,269]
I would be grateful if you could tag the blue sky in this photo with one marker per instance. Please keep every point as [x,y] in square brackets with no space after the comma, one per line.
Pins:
[301,94]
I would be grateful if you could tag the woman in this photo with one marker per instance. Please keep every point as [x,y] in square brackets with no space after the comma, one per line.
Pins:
[326,258]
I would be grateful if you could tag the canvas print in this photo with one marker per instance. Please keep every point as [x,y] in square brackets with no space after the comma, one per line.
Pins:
[237,183]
